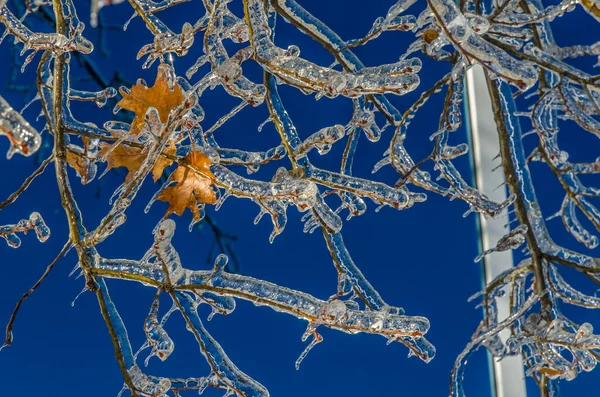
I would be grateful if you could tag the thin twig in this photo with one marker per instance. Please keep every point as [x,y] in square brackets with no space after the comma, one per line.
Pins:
[11,199]
[11,321]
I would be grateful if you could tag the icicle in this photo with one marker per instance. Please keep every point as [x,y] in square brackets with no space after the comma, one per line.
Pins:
[317,338]
[157,338]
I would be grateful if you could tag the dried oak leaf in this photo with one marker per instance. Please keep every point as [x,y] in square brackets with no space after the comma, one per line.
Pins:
[132,157]
[192,188]
[80,162]
[159,96]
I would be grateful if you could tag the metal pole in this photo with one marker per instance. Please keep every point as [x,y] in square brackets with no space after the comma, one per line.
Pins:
[508,376]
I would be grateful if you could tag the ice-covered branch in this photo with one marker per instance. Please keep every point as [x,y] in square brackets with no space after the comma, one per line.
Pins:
[167,138]
[35,223]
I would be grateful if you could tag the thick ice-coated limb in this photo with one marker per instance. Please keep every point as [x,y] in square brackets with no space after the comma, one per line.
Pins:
[117,324]
[380,322]
[322,140]
[398,78]
[281,119]
[98,97]
[347,268]
[135,380]
[399,198]
[379,318]
[273,197]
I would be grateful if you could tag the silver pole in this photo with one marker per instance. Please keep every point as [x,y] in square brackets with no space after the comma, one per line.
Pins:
[507,375]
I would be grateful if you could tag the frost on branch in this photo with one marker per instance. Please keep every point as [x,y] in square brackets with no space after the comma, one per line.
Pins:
[193,169]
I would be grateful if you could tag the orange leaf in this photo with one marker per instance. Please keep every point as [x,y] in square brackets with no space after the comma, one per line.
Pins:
[159,96]
[80,164]
[192,188]
[131,157]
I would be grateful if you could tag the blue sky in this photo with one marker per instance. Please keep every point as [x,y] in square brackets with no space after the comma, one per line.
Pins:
[420,259]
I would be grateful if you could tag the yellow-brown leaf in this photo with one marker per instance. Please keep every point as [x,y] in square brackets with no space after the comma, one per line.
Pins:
[159,96]
[80,164]
[131,157]
[192,187]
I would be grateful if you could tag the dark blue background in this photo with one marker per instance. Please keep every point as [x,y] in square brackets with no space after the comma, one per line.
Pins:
[420,259]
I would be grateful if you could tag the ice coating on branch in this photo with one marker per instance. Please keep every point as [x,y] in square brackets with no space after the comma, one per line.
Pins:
[220,304]
[149,385]
[322,140]
[227,69]
[273,197]
[222,288]
[512,40]
[392,21]
[163,255]
[35,223]
[157,338]
[55,42]
[322,215]
[380,193]
[398,78]
[251,160]
[227,373]
[461,35]
[559,349]
[166,43]
[23,138]
[513,240]
[569,294]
